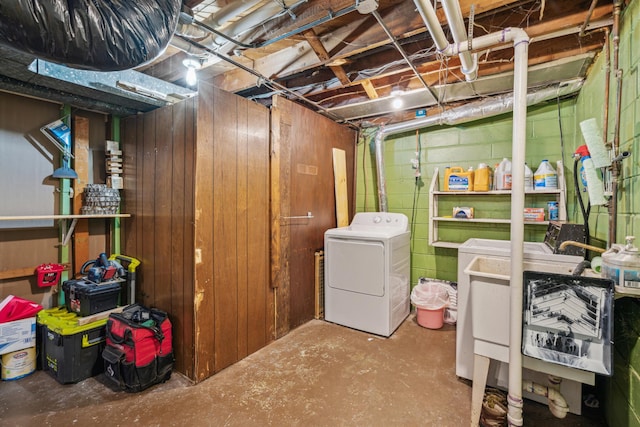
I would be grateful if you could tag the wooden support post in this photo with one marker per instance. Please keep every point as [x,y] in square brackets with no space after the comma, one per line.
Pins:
[81,154]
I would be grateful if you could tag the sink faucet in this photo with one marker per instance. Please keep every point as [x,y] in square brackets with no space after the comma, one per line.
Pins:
[566,243]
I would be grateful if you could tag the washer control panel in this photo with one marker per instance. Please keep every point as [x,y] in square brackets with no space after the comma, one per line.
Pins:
[376,220]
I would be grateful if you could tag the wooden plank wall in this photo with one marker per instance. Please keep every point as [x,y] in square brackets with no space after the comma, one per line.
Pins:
[197,183]
[303,181]
[159,162]
[233,300]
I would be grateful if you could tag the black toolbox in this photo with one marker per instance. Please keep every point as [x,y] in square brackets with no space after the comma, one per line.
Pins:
[86,298]
[70,351]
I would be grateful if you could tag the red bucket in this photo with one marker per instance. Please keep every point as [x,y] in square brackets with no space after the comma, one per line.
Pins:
[49,274]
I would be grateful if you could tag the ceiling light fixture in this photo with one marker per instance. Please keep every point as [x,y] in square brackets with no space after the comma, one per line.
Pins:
[396,99]
[192,66]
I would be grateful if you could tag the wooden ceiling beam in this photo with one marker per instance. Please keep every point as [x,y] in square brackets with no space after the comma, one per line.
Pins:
[317,46]
[543,53]
[341,44]
[369,89]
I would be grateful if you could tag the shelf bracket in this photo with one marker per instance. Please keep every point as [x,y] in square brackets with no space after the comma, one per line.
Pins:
[66,234]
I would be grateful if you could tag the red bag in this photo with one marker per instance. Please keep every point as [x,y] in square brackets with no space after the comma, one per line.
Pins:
[16,308]
[139,351]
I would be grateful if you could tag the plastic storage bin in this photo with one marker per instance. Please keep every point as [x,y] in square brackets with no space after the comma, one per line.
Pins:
[86,298]
[70,352]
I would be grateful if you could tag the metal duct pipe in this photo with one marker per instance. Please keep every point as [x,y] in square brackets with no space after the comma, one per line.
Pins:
[456,24]
[380,172]
[488,107]
[95,35]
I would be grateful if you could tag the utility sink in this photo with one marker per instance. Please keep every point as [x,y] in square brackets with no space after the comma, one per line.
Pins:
[490,278]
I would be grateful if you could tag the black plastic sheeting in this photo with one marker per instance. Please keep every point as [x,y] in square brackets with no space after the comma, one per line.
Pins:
[94,35]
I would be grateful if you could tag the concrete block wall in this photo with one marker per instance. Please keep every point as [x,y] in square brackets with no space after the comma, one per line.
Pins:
[465,145]
[488,141]
[622,391]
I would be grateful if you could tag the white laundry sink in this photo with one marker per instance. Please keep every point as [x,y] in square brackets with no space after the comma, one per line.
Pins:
[490,278]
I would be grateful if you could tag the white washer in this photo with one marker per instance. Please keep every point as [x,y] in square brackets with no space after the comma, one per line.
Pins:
[498,375]
[367,272]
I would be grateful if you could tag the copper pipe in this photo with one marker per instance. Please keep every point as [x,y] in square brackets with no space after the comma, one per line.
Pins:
[607,84]
[615,166]
[566,243]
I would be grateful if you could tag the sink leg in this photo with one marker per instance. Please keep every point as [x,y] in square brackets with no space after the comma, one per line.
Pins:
[480,373]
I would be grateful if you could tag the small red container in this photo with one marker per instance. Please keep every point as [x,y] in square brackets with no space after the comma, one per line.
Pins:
[49,274]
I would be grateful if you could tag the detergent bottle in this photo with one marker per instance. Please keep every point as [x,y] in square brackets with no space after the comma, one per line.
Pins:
[456,179]
[482,178]
[545,177]
[503,175]
[528,178]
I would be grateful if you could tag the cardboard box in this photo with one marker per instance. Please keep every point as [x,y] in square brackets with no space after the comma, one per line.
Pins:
[534,214]
[17,335]
[111,146]
[463,212]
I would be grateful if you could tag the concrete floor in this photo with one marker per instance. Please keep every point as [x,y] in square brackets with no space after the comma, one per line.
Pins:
[319,375]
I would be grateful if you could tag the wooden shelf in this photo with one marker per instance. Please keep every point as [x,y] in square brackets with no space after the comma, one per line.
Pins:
[485,220]
[435,194]
[443,244]
[496,192]
[67,229]
[36,217]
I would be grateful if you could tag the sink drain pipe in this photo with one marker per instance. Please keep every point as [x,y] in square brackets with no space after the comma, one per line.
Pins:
[557,403]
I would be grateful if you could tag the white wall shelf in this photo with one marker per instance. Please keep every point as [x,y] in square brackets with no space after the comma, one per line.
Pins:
[435,216]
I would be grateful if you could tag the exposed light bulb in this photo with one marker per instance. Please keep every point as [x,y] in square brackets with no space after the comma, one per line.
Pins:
[192,65]
[191,78]
[397,103]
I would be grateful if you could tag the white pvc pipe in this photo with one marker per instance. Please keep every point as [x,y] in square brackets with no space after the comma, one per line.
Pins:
[556,401]
[433,24]
[454,18]
[520,41]
[521,47]
[456,24]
